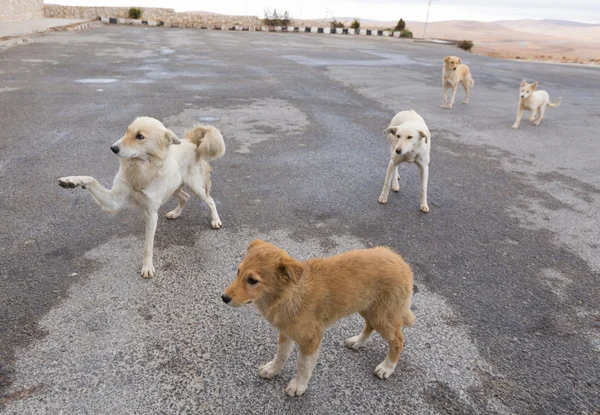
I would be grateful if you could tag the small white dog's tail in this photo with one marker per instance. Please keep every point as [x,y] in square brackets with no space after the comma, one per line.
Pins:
[555,104]
[209,141]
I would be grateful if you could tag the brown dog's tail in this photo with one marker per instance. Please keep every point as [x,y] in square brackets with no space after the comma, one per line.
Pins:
[409,318]
[209,141]
[555,104]
[471,82]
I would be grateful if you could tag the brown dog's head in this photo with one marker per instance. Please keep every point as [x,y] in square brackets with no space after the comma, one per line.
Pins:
[145,137]
[451,62]
[264,273]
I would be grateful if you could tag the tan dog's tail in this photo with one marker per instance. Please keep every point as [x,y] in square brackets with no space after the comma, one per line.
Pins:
[471,82]
[555,104]
[209,141]
[409,318]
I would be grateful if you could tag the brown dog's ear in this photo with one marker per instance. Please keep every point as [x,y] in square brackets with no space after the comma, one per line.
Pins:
[459,61]
[423,135]
[523,83]
[447,59]
[171,137]
[534,86]
[255,243]
[390,130]
[290,269]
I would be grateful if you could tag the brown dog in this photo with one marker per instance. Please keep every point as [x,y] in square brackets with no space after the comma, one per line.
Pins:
[455,72]
[301,299]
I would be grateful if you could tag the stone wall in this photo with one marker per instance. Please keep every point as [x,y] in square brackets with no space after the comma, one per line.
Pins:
[170,17]
[21,9]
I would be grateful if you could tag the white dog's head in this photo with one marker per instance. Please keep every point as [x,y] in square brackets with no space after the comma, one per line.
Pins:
[145,137]
[405,138]
[527,89]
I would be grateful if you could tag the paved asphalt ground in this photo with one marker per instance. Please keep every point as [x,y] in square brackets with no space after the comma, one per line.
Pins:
[507,263]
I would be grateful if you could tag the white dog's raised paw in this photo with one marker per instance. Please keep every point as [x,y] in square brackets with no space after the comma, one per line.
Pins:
[444,106]
[72,182]
[216,224]
[269,370]
[148,271]
[294,388]
[424,208]
[382,199]
[515,126]
[355,342]
[385,369]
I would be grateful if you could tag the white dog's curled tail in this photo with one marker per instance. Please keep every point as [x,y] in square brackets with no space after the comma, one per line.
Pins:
[555,104]
[209,141]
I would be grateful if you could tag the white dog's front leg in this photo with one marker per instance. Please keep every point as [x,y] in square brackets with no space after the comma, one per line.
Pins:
[396,183]
[519,116]
[148,270]
[306,364]
[274,367]
[110,200]
[445,104]
[391,170]
[454,88]
[424,169]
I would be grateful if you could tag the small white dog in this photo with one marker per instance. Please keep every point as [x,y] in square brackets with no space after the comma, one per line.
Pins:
[152,170]
[534,101]
[410,141]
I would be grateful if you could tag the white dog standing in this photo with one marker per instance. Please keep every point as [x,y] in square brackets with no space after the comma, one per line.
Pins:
[534,101]
[152,170]
[410,141]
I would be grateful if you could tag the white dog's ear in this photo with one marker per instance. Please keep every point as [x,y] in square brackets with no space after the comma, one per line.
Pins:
[423,135]
[447,59]
[459,61]
[523,82]
[534,86]
[390,130]
[171,137]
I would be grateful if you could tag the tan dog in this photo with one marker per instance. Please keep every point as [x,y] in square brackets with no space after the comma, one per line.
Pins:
[152,170]
[301,299]
[534,101]
[455,72]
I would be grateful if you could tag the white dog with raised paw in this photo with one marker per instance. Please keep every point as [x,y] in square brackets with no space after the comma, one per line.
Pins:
[534,100]
[410,141]
[156,165]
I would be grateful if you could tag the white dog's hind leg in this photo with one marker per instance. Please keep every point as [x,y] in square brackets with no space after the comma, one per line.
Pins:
[395,183]
[424,169]
[533,115]
[386,184]
[542,110]
[110,200]
[148,270]
[200,191]
[274,367]
[183,198]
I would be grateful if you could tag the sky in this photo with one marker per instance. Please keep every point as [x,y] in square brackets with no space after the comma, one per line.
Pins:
[483,10]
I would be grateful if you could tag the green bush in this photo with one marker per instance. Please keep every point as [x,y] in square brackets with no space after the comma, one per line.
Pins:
[355,24]
[406,33]
[135,13]
[400,26]
[466,45]
[272,18]
[335,24]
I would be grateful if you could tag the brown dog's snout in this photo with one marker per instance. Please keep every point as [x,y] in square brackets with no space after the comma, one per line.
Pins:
[226,299]
[115,149]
